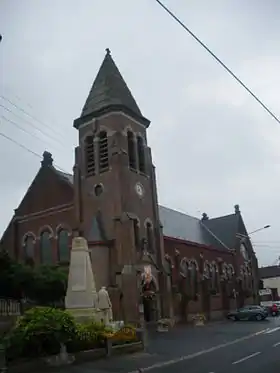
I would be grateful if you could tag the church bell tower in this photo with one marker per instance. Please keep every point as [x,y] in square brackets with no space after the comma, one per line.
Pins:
[116,197]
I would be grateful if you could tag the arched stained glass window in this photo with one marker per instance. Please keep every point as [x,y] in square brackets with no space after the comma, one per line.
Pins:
[29,247]
[63,246]
[45,248]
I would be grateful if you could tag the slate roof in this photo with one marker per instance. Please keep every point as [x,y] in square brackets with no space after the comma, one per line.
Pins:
[65,176]
[181,226]
[269,272]
[217,232]
[224,228]
[109,90]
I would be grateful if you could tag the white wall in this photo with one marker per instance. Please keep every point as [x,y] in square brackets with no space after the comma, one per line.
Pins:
[273,282]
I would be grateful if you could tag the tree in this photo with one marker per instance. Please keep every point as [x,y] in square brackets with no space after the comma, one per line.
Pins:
[43,284]
[50,284]
[14,277]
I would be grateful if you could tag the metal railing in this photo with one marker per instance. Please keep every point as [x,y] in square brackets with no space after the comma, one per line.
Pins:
[9,307]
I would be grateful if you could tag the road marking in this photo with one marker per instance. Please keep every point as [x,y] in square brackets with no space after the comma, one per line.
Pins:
[272,330]
[194,355]
[246,358]
[262,331]
[276,344]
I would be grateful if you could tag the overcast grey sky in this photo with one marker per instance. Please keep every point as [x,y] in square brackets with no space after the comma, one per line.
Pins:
[212,144]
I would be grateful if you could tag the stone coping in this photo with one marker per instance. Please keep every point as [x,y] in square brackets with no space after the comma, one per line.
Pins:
[26,366]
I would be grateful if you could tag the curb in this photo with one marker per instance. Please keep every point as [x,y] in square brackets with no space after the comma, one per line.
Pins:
[42,366]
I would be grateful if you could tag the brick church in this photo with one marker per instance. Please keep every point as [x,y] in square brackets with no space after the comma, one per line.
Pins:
[197,265]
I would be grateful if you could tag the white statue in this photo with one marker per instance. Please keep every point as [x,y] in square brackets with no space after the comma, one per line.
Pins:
[105,306]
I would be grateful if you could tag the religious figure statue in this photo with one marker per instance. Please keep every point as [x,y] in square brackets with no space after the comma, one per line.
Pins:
[105,306]
[148,281]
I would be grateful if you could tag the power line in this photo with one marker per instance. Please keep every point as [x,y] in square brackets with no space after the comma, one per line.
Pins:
[28,114]
[218,60]
[26,103]
[31,124]
[26,149]
[20,145]
[21,128]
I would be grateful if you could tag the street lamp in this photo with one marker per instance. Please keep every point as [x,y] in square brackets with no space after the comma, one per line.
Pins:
[244,236]
[133,269]
[260,229]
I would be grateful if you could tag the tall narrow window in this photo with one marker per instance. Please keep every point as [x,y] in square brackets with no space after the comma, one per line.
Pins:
[29,247]
[215,278]
[136,234]
[194,279]
[141,154]
[103,152]
[63,247]
[131,150]
[45,248]
[89,156]
[150,237]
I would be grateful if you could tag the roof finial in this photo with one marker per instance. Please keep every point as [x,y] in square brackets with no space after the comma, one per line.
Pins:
[204,216]
[47,159]
[108,52]
[237,209]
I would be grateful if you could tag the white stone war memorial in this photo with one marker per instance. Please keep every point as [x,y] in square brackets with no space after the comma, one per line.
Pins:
[82,299]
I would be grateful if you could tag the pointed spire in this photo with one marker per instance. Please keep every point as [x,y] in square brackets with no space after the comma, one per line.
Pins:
[109,92]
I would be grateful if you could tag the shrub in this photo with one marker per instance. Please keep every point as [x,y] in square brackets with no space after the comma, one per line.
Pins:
[88,336]
[39,332]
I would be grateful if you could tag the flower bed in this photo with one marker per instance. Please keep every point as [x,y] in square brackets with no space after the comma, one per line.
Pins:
[199,319]
[41,331]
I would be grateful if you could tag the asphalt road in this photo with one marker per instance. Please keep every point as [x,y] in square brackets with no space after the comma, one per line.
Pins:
[259,353]
[241,347]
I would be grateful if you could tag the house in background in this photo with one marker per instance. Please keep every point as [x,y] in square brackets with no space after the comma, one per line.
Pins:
[198,265]
[270,279]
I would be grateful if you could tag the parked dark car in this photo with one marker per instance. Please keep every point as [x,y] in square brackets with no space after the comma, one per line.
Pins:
[248,313]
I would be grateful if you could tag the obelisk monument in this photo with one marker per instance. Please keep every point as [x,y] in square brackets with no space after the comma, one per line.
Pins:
[81,294]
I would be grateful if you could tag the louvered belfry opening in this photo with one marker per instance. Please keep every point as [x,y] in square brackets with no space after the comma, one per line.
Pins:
[131,150]
[90,156]
[141,154]
[103,152]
